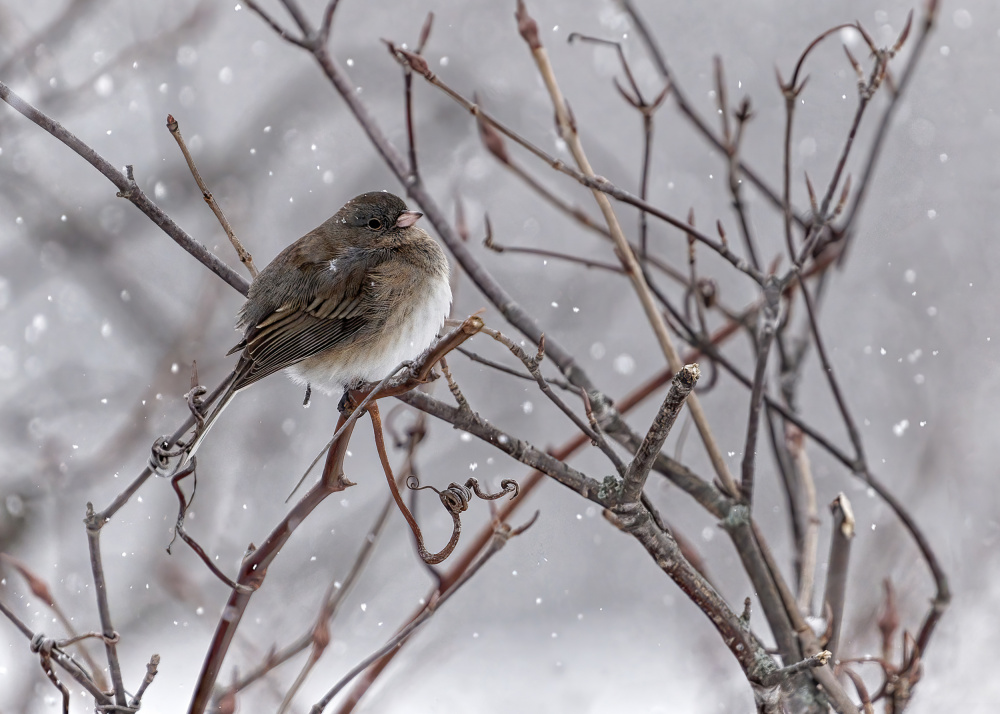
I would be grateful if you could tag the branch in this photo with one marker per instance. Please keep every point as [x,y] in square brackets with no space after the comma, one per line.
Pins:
[567,130]
[680,389]
[836,576]
[127,188]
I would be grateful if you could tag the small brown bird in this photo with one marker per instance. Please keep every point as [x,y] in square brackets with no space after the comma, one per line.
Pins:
[342,305]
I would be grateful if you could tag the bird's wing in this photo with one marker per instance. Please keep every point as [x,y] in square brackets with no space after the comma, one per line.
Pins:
[298,329]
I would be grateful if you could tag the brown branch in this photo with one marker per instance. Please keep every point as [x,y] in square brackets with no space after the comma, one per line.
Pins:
[253,570]
[768,317]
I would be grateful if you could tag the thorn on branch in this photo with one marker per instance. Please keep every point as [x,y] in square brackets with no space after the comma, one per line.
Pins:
[133,188]
[845,192]
[488,240]
[410,60]
[812,197]
[527,27]
[859,685]
[857,67]
[867,38]
[888,621]
[491,138]
[425,33]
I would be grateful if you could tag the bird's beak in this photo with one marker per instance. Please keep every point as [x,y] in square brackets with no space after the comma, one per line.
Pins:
[407,219]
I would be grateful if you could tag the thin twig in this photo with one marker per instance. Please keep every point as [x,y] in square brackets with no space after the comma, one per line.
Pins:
[63,659]
[881,132]
[532,365]
[687,108]
[593,182]
[244,255]
[94,525]
[768,316]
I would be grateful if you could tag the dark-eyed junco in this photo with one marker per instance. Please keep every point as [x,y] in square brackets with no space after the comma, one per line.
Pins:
[344,304]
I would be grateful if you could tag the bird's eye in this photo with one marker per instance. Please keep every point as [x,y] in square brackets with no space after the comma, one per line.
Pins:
[374,224]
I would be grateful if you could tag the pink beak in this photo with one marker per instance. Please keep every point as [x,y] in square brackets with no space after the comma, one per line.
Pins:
[407,219]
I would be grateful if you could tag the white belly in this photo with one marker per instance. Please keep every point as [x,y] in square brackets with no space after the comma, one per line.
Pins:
[408,337]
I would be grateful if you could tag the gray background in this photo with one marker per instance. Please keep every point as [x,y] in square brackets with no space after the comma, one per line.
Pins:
[97,306]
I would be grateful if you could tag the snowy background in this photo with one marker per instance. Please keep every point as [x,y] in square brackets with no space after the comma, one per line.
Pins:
[101,314]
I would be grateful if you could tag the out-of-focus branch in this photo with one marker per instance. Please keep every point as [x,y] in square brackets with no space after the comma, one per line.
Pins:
[805,506]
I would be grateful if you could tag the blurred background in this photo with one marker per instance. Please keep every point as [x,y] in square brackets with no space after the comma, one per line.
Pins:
[101,316]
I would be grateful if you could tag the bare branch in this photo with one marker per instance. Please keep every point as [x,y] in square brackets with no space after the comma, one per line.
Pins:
[638,469]
[127,188]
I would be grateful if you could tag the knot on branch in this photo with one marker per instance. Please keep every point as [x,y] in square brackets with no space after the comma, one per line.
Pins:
[133,191]
[162,452]
[42,644]
[737,517]
[627,517]
[611,489]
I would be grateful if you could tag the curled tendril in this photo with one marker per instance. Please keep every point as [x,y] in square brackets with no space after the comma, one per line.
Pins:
[455,500]
[508,485]
[161,453]
[195,403]
[456,497]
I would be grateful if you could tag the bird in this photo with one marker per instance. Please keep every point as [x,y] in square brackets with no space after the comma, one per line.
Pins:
[342,305]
